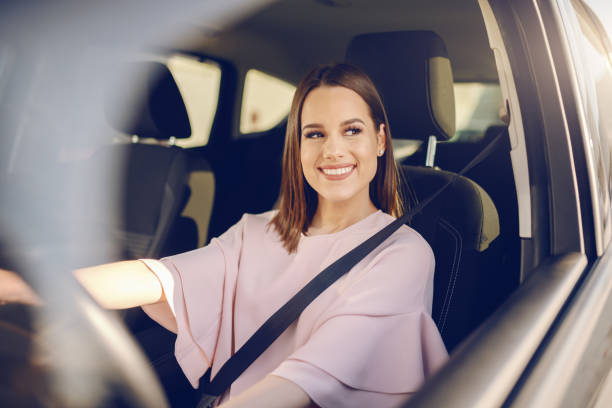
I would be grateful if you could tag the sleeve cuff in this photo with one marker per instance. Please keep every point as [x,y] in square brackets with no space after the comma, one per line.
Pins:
[166,279]
[325,390]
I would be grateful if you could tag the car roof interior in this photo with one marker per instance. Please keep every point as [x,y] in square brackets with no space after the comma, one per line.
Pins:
[323,28]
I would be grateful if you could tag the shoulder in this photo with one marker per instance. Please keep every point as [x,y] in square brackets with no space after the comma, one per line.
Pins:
[256,230]
[258,223]
[251,222]
[395,278]
[405,238]
[403,269]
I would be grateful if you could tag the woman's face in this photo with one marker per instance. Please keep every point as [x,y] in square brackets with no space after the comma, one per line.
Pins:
[339,144]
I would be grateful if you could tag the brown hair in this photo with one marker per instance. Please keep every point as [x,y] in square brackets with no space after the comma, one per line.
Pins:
[298,200]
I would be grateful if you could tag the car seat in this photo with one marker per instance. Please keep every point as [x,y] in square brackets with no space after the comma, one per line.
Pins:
[412,72]
[154,173]
[246,167]
[495,175]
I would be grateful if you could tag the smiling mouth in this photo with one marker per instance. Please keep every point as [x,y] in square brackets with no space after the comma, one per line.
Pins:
[337,173]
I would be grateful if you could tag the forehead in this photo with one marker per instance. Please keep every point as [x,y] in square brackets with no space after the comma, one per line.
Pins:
[328,104]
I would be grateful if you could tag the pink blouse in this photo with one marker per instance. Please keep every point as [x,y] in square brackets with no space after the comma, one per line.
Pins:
[368,340]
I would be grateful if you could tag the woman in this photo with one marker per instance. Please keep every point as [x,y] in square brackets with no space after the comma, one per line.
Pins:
[367,340]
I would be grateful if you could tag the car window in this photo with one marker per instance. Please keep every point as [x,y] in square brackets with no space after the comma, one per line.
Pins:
[477,107]
[198,82]
[594,67]
[265,101]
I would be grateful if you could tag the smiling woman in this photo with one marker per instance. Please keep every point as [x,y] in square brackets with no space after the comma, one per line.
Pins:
[337,136]
[339,187]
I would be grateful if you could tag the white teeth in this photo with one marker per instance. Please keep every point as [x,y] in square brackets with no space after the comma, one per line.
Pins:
[337,172]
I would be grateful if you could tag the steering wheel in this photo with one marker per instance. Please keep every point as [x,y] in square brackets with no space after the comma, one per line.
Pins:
[84,358]
[69,350]
[54,64]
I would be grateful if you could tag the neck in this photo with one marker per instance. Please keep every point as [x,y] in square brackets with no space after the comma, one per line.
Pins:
[335,216]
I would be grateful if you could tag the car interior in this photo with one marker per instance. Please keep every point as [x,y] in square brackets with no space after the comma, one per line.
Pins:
[184,182]
[418,61]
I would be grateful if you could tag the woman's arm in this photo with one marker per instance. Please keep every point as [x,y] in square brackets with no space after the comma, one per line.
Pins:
[121,285]
[116,285]
[271,392]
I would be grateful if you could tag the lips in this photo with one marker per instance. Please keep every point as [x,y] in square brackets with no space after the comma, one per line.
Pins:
[337,172]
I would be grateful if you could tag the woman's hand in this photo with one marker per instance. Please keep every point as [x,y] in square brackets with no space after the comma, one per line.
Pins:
[13,289]
[271,392]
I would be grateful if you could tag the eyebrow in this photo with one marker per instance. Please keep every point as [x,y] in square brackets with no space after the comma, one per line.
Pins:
[344,123]
[349,121]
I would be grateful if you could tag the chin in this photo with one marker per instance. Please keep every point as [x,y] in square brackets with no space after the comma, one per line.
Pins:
[339,198]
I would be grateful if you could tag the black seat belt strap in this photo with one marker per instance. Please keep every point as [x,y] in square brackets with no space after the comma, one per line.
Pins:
[290,311]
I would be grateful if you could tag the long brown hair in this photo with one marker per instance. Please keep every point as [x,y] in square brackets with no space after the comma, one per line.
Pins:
[298,200]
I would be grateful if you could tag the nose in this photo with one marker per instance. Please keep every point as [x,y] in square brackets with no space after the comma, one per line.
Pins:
[333,147]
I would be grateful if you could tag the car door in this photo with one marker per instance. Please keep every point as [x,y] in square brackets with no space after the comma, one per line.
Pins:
[573,365]
[549,344]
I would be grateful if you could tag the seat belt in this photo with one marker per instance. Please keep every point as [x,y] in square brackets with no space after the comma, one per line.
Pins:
[290,311]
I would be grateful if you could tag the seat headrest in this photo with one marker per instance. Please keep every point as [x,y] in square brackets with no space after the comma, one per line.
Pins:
[149,104]
[412,72]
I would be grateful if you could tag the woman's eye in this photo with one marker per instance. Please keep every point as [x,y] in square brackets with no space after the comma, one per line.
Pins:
[353,131]
[313,135]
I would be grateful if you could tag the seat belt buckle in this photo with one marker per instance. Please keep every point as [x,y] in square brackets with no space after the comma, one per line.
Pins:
[207,401]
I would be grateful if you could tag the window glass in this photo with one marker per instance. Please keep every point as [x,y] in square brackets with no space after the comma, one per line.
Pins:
[477,107]
[593,63]
[198,82]
[266,100]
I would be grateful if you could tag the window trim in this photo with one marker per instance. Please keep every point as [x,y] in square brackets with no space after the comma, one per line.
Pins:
[581,134]
[518,149]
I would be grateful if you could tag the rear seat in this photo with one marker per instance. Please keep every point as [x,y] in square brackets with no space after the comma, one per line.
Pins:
[248,167]
[199,206]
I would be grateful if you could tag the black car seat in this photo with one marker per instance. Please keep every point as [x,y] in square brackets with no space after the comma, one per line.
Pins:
[246,167]
[495,175]
[412,72]
[154,174]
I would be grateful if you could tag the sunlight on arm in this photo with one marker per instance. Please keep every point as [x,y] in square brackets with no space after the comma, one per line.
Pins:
[121,285]
[271,392]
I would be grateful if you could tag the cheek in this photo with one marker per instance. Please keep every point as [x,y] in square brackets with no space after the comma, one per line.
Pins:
[303,157]
[369,156]
[307,155]
[373,167]
[305,161]
[370,164]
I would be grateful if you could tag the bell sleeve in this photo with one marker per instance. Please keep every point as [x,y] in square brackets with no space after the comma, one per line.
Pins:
[199,286]
[378,343]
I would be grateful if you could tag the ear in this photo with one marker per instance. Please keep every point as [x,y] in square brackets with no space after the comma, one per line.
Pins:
[381,139]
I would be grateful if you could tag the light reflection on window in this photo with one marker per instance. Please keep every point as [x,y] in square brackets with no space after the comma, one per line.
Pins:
[198,82]
[593,63]
[266,100]
[477,106]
